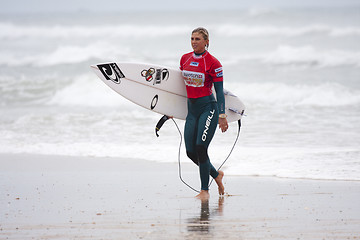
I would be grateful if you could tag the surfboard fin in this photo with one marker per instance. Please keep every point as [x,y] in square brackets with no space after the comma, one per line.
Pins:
[160,123]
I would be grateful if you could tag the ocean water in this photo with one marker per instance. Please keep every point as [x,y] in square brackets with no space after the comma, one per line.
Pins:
[296,70]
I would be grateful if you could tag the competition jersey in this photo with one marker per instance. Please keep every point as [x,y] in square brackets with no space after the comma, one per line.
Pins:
[199,73]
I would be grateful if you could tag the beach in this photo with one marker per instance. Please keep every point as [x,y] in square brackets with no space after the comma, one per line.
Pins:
[58,197]
[79,161]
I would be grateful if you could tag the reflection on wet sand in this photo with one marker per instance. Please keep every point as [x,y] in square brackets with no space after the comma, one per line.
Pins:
[202,224]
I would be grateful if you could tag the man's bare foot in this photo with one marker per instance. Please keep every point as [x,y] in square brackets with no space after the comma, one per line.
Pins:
[218,181]
[203,195]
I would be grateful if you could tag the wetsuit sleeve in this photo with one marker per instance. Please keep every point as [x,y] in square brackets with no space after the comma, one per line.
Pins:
[220,97]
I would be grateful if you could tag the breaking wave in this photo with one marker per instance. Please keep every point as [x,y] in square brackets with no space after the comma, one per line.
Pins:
[15,31]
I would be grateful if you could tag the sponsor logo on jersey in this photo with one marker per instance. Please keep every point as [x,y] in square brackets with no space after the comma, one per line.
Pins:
[220,74]
[218,69]
[195,64]
[193,79]
[111,72]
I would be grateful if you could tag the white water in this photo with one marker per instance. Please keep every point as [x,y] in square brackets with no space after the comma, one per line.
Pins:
[297,71]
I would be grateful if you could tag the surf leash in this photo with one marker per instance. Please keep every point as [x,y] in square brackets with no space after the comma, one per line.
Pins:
[157,128]
[237,137]
[161,123]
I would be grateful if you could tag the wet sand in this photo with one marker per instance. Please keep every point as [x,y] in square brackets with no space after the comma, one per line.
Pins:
[56,197]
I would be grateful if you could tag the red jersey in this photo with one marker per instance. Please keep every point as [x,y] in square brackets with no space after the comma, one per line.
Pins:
[199,73]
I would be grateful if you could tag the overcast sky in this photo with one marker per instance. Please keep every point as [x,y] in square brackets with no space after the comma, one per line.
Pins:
[26,6]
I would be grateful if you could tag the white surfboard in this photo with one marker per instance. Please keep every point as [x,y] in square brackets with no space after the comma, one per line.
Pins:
[157,88]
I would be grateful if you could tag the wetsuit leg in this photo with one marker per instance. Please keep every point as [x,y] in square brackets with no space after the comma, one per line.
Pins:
[190,132]
[200,127]
[206,127]
[192,151]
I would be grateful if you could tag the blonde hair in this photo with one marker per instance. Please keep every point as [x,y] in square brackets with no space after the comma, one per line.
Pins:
[202,31]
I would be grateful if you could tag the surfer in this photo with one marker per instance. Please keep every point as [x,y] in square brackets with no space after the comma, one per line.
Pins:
[201,71]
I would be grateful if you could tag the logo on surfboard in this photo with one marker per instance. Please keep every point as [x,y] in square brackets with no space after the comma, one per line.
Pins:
[111,72]
[148,74]
[161,74]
